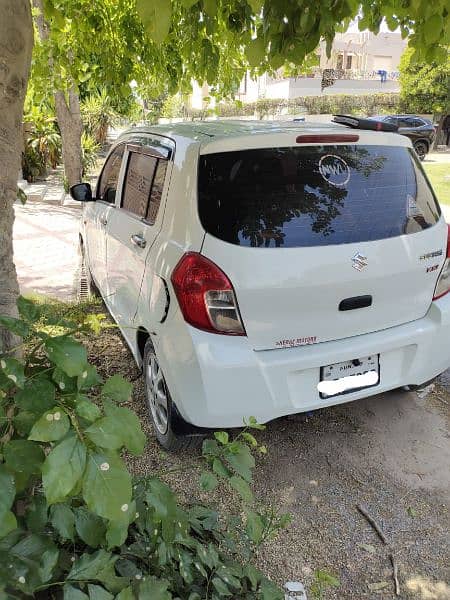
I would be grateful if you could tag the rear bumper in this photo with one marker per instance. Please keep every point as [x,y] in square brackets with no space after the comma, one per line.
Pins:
[217,381]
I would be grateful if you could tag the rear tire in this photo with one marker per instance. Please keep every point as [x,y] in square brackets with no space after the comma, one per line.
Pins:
[86,288]
[165,418]
[421,149]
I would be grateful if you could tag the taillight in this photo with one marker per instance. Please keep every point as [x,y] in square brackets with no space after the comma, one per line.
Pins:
[206,296]
[443,283]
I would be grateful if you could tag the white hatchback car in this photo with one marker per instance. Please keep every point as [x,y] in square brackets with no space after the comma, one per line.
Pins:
[267,269]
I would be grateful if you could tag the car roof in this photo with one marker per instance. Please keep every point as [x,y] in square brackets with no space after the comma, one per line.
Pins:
[209,133]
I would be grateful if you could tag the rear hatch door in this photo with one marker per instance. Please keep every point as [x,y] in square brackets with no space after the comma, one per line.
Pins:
[322,242]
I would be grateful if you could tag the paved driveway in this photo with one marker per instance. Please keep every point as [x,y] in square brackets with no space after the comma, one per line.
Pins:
[46,248]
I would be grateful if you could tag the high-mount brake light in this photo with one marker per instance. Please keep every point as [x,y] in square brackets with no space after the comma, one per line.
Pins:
[206,295]
[327,138]
[443,283]
[360,123]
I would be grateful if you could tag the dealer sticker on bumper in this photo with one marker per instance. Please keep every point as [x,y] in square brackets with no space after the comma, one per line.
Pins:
[349,376]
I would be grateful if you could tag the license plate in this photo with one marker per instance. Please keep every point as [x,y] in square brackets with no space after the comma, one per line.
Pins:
[349,376]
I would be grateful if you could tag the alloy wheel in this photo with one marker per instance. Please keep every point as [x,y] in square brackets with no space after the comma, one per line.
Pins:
[157,394]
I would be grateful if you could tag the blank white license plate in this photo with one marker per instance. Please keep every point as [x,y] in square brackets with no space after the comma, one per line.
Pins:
[349,376]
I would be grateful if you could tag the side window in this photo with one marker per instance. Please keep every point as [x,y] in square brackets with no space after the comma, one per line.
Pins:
[405,122]
[107,186]
[155,197]
[418,123]
[138,183]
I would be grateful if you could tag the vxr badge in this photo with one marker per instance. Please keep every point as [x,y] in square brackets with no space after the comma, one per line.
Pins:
[359,262]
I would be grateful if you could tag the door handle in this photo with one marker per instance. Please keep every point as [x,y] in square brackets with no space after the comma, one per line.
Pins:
[138,240]
[103,221]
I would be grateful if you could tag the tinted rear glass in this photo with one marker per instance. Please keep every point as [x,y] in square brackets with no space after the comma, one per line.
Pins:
[314,195]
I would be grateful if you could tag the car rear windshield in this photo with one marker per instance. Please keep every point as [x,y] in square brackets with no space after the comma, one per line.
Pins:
[314,195]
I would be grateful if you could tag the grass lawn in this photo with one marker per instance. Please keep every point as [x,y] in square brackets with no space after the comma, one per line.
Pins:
[439,175]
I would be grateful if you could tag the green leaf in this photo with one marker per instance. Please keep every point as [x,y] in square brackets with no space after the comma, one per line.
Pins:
[108,577]
[106,486]
[37,396]
[253,575]
[163,501]
[220,469]
[90,527]
[13,370]
[242,488]
[249,438]
[105,433]
[269,591]
[253,424]
[23,422]
[134,439]
[89,566]
[221,587]
[72,593]
[7,490]
[23,456]
[254,527]
[63,469]
[87,410]
[96,592]
[255,52]
[63,520]
[208,481]
[126,594]
[121,427]
[28,310]
[433,28]
[16,326]
[117,531]
[210,448]
[52,426]
[154,588]
[188,3]
[241,460]
[117,388]
[210,7]
[48,562]
[37,514]
[7,523]
[222,437]
[67,354]
[88,378]
[156,16]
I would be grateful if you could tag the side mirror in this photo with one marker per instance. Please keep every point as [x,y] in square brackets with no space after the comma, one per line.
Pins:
[81,192]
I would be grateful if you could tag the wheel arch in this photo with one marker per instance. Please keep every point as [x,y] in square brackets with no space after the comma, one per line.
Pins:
[142,335]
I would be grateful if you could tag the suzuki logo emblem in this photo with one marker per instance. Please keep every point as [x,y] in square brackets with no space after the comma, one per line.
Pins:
[359,262]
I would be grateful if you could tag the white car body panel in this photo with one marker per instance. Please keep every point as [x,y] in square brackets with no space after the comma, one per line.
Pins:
[283,294]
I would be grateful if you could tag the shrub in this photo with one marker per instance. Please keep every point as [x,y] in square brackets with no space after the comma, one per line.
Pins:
[42,144]
[98,115]
[326,104]
[90,149]
[73,521]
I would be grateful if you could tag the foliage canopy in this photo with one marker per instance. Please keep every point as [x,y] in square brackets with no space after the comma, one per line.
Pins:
[425,87]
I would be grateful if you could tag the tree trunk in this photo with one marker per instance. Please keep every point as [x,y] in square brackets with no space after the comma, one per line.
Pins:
[16,44]
[439,132]
[68,114]
[71,127]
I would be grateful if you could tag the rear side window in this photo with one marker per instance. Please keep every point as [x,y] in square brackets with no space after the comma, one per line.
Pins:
[143,185]
[138,183]
[314,195]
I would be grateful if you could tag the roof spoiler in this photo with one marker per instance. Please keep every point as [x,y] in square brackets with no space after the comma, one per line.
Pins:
[360,123]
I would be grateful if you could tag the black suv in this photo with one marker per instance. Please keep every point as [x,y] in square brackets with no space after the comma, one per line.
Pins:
[419,130]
